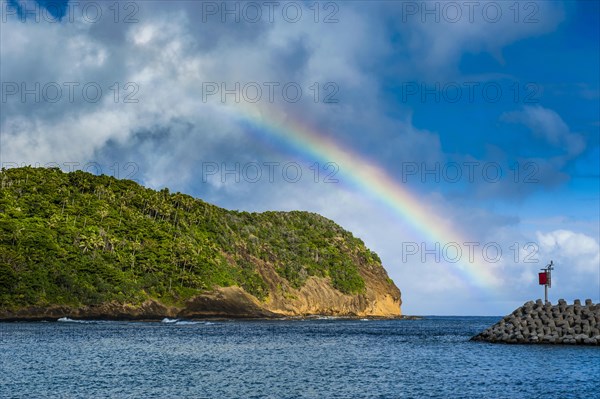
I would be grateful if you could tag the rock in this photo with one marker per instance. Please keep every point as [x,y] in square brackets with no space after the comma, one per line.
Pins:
[538,323]
[558,331]
[580,338]
[546,330]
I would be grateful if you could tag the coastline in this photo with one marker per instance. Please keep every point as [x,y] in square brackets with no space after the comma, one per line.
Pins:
[152,311]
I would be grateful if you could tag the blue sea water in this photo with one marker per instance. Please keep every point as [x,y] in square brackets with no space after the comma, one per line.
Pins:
[327,358]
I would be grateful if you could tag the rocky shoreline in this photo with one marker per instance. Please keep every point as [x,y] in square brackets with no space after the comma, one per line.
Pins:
[316,299]
[59,313]
[539,323]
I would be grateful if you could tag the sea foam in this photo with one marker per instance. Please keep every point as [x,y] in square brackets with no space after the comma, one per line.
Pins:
[68,320]
[179,322]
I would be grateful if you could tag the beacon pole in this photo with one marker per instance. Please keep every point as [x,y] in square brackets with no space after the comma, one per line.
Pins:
[545,279]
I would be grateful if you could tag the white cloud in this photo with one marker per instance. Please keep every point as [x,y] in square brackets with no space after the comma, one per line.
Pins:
[574,251]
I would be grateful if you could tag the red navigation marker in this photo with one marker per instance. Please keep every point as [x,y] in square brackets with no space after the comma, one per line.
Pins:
[545,278]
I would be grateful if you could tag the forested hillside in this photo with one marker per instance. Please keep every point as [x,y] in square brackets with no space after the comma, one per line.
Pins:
[80,239]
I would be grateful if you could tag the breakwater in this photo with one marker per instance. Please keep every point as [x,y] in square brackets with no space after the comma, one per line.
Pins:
[544,323]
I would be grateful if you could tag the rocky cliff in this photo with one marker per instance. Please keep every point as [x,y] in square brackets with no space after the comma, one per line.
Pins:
[539,323]
[316,297]
[84,246]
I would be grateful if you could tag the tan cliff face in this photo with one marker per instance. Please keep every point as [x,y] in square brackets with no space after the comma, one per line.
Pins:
[317,296]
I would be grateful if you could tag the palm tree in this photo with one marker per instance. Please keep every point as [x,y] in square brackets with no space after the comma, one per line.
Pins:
[103,213]
[85,243]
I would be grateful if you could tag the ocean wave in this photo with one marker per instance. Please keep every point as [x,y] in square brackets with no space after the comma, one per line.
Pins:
[187,323]
[179,322]
[68,320]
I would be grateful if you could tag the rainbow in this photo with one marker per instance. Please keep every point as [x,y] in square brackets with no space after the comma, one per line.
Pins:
[371,180]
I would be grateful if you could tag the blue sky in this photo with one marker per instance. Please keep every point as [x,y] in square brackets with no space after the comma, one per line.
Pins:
[380,56]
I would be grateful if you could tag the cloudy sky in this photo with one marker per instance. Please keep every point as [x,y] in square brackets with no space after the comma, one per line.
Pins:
[459,140]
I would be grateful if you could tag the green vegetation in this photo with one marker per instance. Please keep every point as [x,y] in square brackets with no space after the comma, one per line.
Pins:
[80,239]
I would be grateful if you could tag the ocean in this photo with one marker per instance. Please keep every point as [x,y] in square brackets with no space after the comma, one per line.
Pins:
[322,358]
